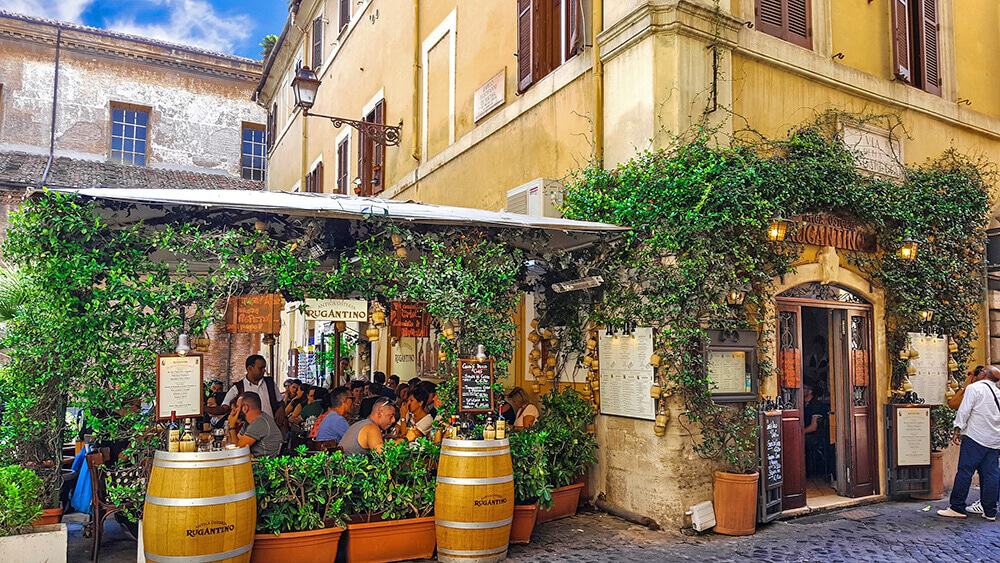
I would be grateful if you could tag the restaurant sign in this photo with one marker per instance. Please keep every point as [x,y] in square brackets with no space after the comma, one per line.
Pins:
[254,314]
[337,310]
[409,319]
[821,229]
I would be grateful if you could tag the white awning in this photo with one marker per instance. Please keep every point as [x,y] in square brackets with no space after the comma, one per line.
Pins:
[335,206]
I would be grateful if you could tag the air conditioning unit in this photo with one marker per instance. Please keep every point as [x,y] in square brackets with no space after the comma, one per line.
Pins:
[702,516]
[539,197]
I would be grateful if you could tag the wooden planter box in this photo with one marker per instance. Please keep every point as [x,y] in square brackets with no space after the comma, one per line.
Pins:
[313,546]
[564,503]
[390,540]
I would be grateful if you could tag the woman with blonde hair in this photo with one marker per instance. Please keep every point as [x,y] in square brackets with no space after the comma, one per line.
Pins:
[527,413]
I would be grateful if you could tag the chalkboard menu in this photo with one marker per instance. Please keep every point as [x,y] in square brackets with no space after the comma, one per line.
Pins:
[770,485]
[475,386]
[772,449]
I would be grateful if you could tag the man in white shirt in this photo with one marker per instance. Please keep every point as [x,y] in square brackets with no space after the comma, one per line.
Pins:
[977,429]
[254,382]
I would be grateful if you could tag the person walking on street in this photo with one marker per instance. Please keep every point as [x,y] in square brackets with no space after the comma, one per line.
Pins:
[977,430]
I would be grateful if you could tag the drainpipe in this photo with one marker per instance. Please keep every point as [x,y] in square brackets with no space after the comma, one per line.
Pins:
[55,99]
[415,150]
[598,74]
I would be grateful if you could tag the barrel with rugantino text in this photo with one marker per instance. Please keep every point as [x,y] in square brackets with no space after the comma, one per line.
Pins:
[474,502]
[200,507]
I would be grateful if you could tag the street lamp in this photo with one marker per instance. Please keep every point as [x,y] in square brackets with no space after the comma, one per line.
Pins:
[736,296]
[305,85]
[777,230]
[908,250]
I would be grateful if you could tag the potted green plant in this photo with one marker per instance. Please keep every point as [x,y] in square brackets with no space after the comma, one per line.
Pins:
[729,434]
[531,482]
[392,502]
[301,501]
[21,492]
[570,449]
[942,424]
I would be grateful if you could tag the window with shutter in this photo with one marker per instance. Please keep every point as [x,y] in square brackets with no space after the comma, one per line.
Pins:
[317,43]
[916,44]
[345,14]
[343,173]
[378,152]
[272,119]
[575,27]
[927,26]
[901,31]
[790,20]
[525,44]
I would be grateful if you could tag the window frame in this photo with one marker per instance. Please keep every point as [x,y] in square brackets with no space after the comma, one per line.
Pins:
[344,15]
[126,107]
[316,43]
[783,31]
[548,52]
[372,155]
[343,172]
[248,125]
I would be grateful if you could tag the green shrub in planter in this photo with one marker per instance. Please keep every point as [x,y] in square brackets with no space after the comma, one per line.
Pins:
[942,425]
[531,477]
[20,499]
[395,484]
[301,492]
[569,448]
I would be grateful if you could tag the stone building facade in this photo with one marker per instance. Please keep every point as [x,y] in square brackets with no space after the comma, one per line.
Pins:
[82,107]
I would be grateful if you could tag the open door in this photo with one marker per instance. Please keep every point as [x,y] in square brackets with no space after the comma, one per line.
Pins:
[858,400]
[790,386]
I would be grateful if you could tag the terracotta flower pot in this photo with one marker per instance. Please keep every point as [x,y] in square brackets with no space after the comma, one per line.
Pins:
[49,516]
[313,546]
[735,500]
[523,523]
[390,540]
[937,478]
[564,503]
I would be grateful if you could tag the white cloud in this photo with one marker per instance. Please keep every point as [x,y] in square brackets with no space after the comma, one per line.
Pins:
[64,10]
[190,22]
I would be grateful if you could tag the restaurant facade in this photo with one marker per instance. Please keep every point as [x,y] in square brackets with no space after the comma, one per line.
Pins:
[595,82]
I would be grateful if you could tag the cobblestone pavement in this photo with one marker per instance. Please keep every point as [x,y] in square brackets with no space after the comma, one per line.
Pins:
[892,531]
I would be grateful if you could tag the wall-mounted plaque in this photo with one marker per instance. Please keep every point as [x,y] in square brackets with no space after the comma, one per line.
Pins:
[731,365]
[475,385]
[490,95]
[626,375]
[254,314]
[876,151]
[179,385]
[931,364]
[913,436]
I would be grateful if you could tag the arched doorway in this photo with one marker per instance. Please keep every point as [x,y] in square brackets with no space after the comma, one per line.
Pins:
[827,395]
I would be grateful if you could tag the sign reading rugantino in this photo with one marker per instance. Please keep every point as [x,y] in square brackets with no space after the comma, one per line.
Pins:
[828,230]
[337,310]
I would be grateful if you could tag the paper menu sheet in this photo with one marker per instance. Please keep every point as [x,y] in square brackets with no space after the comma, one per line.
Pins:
[626,375]
[931,378]
[913,436]
[727,371]
[179,386]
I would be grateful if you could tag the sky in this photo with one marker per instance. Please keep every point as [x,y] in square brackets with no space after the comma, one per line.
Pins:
[227,26]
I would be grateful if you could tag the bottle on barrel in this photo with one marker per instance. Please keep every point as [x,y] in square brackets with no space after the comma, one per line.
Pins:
[173,434]
[490,430]
[501,432]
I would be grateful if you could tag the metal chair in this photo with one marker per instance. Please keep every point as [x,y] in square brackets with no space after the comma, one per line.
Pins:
[101,509]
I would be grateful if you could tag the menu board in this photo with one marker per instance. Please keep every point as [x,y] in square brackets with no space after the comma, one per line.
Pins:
[178,385]
[408,319]
[728,373]
[931,379]
[772,449]
[913,436]
[626,375]
[475,385]
[254,314]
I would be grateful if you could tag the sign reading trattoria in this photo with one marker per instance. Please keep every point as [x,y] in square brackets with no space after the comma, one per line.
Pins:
[346,310]
[821,229]
[254,314]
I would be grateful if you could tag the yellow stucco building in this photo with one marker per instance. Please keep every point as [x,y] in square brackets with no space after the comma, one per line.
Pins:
[501,100]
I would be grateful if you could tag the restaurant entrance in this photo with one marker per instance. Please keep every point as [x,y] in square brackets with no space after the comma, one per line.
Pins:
[827,396]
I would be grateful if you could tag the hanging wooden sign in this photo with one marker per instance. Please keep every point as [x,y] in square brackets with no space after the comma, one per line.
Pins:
[475,385]
[254,314]
[409,319]
[822,229]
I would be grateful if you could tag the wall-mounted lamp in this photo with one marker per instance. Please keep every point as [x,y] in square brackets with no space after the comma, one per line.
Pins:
[907,250]
[305,86]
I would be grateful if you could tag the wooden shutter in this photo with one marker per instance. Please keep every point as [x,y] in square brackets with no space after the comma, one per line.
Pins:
[317,44]
[378,152]
[575,22]
[901,56]
[272,120]
[771,17]
[318,178]
[345,14]
[552,52]
[798,23]
[342,165]
[525,44]
[927,24]
[364,174]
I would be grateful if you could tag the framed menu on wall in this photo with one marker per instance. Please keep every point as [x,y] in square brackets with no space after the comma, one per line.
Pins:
[179,385]
[731,365]
[913,436]
[931,364]
[626,375]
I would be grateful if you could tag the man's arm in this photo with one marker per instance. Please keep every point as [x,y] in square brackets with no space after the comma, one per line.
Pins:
[972,394]
[371,438]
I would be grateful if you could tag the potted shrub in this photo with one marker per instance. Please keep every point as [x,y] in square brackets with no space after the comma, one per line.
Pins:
[729,434]
[21,492]
[300,507]
[942,423]
[392,502]
[570,449]
[531,482]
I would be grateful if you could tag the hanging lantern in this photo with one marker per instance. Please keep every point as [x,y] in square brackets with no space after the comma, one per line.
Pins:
[926,315]
[777,230]
[546,333]
[911,370]
[534,323]
[532,336]
[535,388]
[949,394]
[595,365]
[372,333]
[953,385]
[952,365]
[736,297]
[378,316]
[907,250]
[442,355]
[907,386]
[655,391]
[536,372]
[591,344]
[595,385]
[952,346]
[654,360]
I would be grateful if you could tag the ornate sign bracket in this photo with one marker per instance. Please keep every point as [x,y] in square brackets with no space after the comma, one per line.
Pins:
[385,135]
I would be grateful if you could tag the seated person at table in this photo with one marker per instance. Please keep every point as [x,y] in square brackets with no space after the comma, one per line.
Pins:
[378,386]
[418,421]
[432,402]
[366,435]
[357,394]
[334,424]
[294,406]
[261,434]
[525,413]
[392,382]
[317,399]
[217,421]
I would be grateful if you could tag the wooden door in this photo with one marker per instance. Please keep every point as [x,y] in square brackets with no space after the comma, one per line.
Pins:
[858,402]
[793,453]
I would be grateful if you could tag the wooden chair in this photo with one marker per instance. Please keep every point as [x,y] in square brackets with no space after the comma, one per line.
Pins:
[101,509]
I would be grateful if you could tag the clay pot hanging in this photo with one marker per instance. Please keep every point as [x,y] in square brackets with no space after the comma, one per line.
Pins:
[372,333]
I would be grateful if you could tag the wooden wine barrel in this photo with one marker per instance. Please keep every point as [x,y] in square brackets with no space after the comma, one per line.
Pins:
[474,502]
[200,507]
